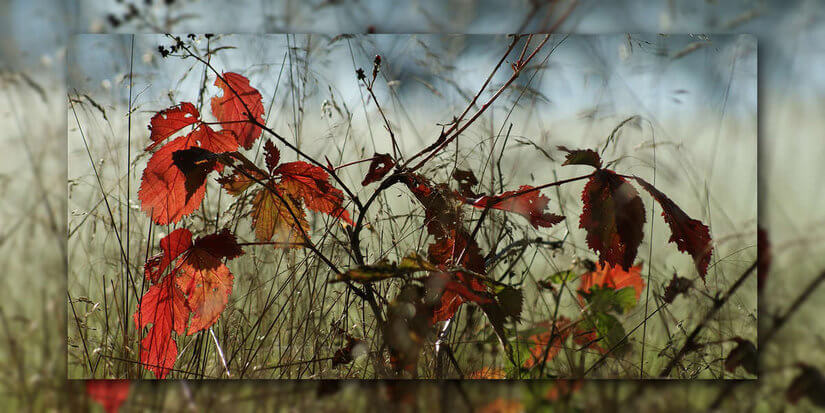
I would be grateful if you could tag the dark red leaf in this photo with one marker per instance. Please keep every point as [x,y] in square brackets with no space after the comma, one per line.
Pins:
[222,245]
[380,165]
[109,393]
[230,109]
[690,235]
[582,157]
[199,284]
[453,247]
[527,203]
[613,216]
[344,355]
[744,354]
[676,286]
[167,122]
[809,383]
[195,163]
[272,155]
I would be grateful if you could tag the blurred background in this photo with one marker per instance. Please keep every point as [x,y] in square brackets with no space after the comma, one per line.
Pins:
[34,219]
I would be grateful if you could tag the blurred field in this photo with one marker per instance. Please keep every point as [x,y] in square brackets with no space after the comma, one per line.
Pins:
[33,294]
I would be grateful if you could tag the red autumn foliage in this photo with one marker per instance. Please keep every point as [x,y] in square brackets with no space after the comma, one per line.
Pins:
[204,278]
[541,341]
[163,306]
[239,103]
[380,165]
[690,235]
[272,156]
[613,216]
[525,202]
[169,121]
[109,393]
[198,285]
[195,292]
[310,184]
[172,245]
[163,192]
[453,246]
[613,277]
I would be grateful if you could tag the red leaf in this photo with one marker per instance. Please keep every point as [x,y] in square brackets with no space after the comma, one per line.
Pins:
[109,393]
[613,277]
[380,165]
[582,157]
[530,205]
[542,340]
[199,284]
[173,245]
[310,183]
[613,216]
[163,306]
[272,155]
[456,288]
[163,192]
[690,235]
[230,108]
[204,278]
[453,247]
[167,122]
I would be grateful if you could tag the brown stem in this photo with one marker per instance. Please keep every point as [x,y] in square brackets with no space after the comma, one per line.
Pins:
[690,343]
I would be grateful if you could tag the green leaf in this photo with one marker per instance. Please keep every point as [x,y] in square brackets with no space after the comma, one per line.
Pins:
[562,277]
[604,299]
[609,330]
